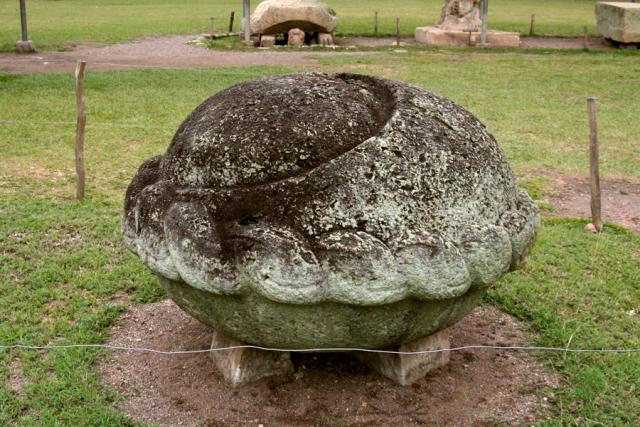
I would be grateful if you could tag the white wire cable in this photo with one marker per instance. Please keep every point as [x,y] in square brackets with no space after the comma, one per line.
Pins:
[114,124]
[316,350]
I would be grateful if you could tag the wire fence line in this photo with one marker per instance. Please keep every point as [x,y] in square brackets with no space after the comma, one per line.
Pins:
[73,123]
[317,350]
[205,67]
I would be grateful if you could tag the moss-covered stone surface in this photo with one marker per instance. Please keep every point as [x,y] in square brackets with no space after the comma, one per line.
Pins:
[329,210]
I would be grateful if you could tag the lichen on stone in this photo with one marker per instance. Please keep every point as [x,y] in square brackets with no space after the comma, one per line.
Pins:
[312,189]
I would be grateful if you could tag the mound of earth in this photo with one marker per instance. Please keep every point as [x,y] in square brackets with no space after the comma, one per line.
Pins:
[478,387]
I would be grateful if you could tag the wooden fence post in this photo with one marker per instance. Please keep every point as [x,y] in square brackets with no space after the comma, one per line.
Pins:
[532,28]
[80,125]
[375,23]
[596,207]
[585,38]
[231,19]
[398,31]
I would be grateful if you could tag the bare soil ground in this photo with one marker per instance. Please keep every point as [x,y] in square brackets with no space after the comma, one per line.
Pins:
[173,52]
[478,387]
[597,43]
[149,52]
[620,199]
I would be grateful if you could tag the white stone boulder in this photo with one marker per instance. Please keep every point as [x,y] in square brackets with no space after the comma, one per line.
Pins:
[280,16]
[619,21]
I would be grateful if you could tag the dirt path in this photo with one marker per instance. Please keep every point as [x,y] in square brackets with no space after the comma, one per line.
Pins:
[620,199]
[476,388]
[154,52]
[597,43]
[173,52]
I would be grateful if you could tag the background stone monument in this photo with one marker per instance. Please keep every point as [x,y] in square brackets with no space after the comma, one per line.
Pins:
[460,25]
[322,211]
[619,21]
[299,21]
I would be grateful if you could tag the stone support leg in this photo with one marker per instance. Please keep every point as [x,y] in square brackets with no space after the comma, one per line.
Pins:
[244,366]
[407,369]
[325,39]
[296,37]
[267,41]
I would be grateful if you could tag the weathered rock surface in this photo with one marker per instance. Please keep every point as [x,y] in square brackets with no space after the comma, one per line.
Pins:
[405,369]
[279,16]
[460,25]
[241,366]
[460,15]
[438,36]
[310,210]
[619,21]
[325,39]
[267,41]
[295,37]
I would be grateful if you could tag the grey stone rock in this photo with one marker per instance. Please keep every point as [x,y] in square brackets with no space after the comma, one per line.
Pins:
[279,16]
[325,39]
[406,369]
[619,21]
[313,210]
[242,366]
[25,46]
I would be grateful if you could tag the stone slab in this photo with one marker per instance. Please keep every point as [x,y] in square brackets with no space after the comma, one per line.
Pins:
[441,37]
[407,369]
[245,365]
[267,41]
[279,16]
[619,21]
[25,46]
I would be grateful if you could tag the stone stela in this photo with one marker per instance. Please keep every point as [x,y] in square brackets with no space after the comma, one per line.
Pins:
[329,211]
[460,25]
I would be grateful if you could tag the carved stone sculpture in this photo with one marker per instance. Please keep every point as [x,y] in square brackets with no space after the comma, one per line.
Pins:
[460,25]
[460,15]
[280,16]
[314,210]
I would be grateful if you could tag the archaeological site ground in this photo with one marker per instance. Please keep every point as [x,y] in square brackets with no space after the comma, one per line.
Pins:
[347,175]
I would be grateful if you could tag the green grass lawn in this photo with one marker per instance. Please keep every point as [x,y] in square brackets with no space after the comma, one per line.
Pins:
[65,277]
[53,23]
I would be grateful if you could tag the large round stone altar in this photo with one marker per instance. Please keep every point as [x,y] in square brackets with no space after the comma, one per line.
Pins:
[314,210]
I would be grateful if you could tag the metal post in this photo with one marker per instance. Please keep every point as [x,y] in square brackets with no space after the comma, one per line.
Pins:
[24,45]
[485,22]
[23,20]
[246,16]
